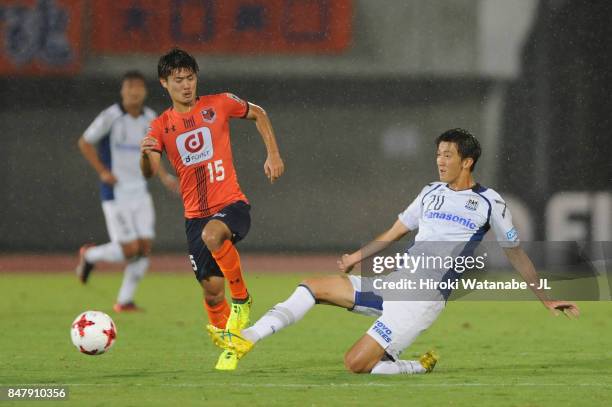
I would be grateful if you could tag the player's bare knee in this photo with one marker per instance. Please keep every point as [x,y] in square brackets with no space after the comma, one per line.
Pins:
[130,249]
[315,288]
[212,239]
[144,247]
[325,290]
[355,364]
[215,233]
[309,284]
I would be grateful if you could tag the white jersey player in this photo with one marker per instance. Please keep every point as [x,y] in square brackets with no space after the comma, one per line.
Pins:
[442,214]
[126,202]
[455,210]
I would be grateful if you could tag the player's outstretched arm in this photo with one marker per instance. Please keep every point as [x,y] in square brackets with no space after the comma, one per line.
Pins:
[522,263]
[149,158]
[394,233]
[90,154]
[274,166]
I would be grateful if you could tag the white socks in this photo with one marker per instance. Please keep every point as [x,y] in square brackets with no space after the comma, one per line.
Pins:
[397,367]
[110,252]
[281,315]
[293,309]
[134,271]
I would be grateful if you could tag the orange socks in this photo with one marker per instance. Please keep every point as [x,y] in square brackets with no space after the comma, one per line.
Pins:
[229,262]
[218,314]
[228,259]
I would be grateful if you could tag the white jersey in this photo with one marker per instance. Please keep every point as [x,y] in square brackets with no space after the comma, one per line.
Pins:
[118,136]
[444,215]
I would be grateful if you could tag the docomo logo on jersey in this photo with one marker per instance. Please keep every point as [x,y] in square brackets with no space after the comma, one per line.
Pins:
[195,146]
[194,142]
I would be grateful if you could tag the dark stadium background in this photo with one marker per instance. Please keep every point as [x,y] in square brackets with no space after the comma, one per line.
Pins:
[355,114]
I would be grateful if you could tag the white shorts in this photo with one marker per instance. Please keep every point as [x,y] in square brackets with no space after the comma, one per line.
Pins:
[129,220]
[399,323]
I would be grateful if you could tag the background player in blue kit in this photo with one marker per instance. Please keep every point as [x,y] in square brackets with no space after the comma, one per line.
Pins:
[128,208]
[457,210]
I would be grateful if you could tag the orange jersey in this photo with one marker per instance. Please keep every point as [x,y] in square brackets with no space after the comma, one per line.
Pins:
[198,146]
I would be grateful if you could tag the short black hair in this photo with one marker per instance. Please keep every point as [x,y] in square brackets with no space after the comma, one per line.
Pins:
[176,58]
[467,145]
[133,74]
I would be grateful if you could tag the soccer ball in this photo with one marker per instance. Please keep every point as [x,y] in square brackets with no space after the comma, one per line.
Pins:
[93,332]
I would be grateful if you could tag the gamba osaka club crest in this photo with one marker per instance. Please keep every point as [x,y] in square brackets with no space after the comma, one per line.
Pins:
[472,204]
[195,146]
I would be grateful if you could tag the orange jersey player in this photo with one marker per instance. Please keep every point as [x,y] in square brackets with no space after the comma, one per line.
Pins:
[198,146]
[194,133]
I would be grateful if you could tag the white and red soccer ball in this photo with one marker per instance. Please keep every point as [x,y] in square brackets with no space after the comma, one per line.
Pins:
[93,332]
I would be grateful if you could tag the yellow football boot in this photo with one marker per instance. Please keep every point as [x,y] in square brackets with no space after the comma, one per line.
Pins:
[230,340]
[228,360]
[240,315]
[428,361]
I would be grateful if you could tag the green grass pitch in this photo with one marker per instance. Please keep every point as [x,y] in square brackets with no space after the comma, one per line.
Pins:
[492,353]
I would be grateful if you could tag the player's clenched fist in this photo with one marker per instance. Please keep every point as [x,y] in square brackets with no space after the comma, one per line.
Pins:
[147,145]
[346,263]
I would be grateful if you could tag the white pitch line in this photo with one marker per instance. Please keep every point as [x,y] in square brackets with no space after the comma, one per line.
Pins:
[305,385]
